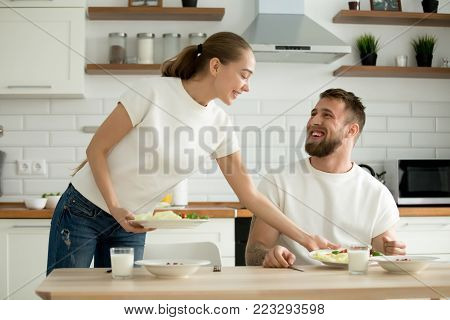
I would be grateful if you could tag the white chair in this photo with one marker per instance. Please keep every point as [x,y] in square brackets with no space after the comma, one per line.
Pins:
[185,250]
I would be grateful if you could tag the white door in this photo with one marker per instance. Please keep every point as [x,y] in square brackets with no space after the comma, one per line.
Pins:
[42,52]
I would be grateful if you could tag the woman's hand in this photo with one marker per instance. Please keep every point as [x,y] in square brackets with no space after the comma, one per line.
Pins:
[125,218]
[316,242]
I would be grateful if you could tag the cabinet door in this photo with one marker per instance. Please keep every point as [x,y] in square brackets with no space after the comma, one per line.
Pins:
[25,252]
[42,3]
[425,235]
[42,52]
[218,231]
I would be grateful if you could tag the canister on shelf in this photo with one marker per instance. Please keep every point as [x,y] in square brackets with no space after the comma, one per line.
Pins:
[117,47]
[136,3]
[145,46]
[197,38]
[171,45]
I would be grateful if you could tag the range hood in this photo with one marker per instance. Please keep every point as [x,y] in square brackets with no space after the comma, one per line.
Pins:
[281,32]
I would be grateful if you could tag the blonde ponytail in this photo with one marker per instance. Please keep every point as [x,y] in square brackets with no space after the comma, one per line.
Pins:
[79,167]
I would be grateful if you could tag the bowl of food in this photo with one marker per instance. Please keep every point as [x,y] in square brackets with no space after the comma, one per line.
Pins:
[175,268]
[35,203]
[52,199]
[404,264]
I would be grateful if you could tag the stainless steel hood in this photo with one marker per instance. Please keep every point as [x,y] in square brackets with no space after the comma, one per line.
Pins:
[281,32]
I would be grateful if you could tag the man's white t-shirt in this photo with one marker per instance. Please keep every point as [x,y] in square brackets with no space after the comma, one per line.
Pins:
[344,208]
[172,137]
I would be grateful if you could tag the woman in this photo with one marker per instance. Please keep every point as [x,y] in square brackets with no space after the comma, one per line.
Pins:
[141,151]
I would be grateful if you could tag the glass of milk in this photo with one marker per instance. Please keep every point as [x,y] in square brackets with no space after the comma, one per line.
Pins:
[122,261]
[358,258]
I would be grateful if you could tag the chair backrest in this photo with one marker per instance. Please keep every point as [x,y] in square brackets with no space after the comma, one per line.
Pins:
[185,250]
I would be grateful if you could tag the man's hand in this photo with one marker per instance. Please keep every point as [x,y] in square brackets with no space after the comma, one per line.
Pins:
[392,247]
[125,218]
[317,242]
[278,257]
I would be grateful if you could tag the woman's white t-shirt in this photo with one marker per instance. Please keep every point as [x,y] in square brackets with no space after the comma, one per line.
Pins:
[345,208]
[172,137]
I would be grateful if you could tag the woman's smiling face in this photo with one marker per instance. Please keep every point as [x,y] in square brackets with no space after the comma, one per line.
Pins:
[233,78]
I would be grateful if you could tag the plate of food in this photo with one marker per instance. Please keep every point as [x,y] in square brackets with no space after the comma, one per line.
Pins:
[404,264]
[336,258]
[170,220]
[175,268]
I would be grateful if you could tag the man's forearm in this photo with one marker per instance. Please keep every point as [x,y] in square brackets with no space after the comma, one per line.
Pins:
[255,254]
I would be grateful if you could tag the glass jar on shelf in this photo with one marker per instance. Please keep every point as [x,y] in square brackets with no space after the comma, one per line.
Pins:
[117,47]
[137,3]
[171,45]
[197,38]
[145,48]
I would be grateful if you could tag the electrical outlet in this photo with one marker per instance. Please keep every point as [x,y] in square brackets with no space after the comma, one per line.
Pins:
[23,167]
[39,167]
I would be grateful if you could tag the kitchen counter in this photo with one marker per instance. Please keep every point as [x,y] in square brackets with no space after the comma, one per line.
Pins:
[17,210]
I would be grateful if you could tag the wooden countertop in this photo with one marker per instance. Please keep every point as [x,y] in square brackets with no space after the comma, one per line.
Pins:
[17,210]
[238,283]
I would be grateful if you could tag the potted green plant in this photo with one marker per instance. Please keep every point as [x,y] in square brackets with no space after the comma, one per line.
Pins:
[430,5]
[424,48]
[368,47]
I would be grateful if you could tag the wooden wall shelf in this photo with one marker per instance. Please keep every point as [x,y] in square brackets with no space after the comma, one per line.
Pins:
[392,72]
[393,18]
[155,13]
[123,69]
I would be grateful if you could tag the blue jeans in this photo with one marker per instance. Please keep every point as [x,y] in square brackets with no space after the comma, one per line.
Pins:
[80,231]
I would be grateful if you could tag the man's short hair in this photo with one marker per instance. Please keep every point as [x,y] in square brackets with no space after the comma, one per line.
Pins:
[352,103]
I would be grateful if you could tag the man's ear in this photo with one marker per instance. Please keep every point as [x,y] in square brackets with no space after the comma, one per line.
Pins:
[214,65]
[353,130]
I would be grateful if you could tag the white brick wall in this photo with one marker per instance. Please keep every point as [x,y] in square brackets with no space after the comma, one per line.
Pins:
[407,118]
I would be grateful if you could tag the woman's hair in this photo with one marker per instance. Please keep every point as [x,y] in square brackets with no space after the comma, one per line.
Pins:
[78,168]
[226,46]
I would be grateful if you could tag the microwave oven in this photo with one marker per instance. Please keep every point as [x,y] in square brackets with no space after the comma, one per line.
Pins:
[419,182]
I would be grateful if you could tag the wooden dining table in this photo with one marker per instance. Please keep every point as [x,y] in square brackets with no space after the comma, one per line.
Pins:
[254,283]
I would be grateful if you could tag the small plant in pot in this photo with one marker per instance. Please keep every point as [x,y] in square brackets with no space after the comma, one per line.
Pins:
[424,48]
[430,5]
[189,3]
[368,47]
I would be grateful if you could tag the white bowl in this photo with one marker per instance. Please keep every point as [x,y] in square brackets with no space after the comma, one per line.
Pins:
[174,268]
[404,264]
[35,203]
[52,201]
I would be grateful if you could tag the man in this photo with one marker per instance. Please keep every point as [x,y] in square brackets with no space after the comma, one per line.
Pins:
[327,194]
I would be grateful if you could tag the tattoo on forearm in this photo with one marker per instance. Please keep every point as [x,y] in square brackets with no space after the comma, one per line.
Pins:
[254,254]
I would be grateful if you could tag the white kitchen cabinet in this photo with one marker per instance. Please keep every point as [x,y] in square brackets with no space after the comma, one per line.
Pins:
[220,231]
[42,3]
[426,235]
[42,51]
[23,256]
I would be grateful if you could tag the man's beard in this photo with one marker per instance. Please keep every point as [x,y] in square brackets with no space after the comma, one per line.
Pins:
[323,148]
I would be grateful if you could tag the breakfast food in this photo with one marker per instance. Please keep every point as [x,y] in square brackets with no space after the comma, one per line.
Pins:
[162,215]
[167,215]
[336,256]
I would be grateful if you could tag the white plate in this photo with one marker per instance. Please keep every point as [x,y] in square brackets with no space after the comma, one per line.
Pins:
[414,264]
[172,224]
[174,268]
[328,263]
